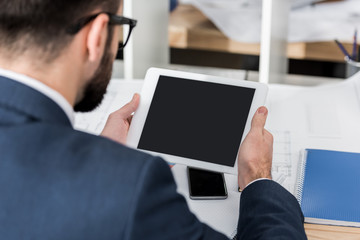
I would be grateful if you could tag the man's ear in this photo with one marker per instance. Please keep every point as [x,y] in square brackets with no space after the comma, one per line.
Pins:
[97,37]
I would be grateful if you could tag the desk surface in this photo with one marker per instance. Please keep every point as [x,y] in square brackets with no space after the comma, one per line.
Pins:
[189,28]
[121,91]
[321,232]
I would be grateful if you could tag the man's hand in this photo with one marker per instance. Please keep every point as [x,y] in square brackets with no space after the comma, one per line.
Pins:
[118,123]
[255,154]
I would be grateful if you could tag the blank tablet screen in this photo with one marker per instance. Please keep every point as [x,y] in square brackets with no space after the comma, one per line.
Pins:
[197,120]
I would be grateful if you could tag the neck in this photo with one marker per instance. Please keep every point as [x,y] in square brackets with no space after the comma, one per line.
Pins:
[59,75]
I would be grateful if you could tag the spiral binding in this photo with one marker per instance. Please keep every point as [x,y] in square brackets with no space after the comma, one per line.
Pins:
[301,176]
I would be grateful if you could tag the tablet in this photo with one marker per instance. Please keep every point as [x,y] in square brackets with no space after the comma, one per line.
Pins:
[194,119]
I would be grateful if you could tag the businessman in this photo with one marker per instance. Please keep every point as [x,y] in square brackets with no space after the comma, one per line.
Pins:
[59,183]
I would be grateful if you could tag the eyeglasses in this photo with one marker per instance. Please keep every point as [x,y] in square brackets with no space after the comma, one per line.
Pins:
[114,20]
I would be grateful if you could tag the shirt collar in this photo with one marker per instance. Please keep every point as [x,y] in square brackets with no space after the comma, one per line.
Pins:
[42,88]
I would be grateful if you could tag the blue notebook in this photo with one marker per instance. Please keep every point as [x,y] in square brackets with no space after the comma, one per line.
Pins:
[328,188]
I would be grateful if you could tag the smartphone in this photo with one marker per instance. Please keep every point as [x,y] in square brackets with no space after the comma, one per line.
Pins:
[205,184]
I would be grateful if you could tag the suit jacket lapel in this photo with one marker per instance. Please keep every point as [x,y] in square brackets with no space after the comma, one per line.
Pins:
[26,100]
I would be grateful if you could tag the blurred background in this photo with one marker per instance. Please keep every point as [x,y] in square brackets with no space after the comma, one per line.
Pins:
[293,38]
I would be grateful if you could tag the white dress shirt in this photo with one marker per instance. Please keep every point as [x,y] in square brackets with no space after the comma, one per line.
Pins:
[42,88]
[256,180]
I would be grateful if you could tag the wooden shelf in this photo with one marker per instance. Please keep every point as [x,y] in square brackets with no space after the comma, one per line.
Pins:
[190,29]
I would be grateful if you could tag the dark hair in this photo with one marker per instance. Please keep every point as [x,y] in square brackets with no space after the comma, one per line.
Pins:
[42,24]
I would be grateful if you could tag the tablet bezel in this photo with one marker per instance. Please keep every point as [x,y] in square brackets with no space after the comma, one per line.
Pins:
[147,93]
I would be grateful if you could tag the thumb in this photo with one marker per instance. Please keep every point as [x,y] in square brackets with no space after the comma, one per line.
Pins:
[130,107]
[259,119]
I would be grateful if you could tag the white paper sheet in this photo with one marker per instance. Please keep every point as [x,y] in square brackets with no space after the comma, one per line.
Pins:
[119,92]
[325,117]
[323,120]
[282,160]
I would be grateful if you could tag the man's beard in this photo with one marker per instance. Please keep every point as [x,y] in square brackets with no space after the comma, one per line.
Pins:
[96,88]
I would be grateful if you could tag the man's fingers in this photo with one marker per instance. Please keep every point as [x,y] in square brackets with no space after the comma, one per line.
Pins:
[268,136]
[259,119]
[130,119]
[126,111]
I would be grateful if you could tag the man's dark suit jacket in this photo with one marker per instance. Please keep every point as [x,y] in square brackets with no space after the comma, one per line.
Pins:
[59,183]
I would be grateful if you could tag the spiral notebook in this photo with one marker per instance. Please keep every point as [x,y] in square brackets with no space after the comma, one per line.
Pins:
[328,187]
